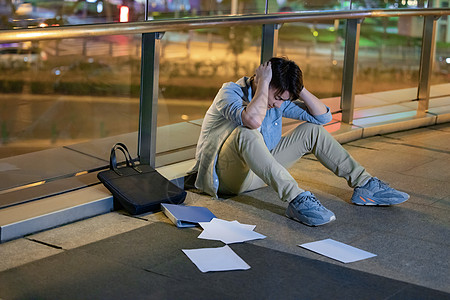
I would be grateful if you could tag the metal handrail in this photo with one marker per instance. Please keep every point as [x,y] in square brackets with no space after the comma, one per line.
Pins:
[80,31]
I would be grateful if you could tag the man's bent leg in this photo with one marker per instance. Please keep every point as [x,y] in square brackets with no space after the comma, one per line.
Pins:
[308,137]
[244,160]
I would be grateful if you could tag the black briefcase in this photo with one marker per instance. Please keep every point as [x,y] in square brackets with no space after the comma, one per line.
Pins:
[138,188]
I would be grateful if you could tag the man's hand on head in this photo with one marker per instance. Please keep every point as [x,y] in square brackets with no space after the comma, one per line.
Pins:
[255,112]
[263,73]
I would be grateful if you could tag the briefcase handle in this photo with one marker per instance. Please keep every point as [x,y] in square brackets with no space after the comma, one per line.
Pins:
[126,153]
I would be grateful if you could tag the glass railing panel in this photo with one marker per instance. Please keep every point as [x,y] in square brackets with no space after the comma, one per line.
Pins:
[193,67]
[441,67]
[66,92]
[318,48]
[389,57]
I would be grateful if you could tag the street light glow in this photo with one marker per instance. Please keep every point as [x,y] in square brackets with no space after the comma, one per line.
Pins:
[124,10]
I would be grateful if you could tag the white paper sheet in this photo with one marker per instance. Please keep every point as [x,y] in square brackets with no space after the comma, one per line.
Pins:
[225,223]
[228,232]
[338,251]
[216,259]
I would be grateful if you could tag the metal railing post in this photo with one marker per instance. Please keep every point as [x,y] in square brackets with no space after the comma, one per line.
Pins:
[148,108]
[426,63]
[269,41]
[349,71]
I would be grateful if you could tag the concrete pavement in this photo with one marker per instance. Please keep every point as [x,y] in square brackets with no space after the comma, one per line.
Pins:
[411,240]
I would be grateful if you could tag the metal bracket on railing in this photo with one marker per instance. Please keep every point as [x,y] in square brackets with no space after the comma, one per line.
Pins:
[426,63]
[159,35]
[269,41]
[350,67]
[151,46]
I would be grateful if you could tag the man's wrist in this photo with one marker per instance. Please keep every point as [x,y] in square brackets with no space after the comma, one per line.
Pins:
[302,90]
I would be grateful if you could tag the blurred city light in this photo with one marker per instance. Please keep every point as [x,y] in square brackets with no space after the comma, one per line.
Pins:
[124,11]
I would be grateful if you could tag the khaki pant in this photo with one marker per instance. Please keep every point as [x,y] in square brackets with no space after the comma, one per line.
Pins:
[246,164]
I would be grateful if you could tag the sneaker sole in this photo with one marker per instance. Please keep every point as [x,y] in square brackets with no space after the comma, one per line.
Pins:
[371,202]
[333,218]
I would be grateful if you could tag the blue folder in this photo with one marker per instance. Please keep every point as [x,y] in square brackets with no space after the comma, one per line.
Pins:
[187,216]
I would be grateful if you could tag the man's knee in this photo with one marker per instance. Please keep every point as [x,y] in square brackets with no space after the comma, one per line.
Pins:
[246,134]
[310,129]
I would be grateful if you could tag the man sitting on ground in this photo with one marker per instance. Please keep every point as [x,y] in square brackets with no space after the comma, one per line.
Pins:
[241,147]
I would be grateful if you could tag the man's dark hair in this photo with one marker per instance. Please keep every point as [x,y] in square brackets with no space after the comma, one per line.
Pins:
[286,76]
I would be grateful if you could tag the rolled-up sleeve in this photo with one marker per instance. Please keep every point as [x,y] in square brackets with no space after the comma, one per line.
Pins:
[297,110]
[230,104]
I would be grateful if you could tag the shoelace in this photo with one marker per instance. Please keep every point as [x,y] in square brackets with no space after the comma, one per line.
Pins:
[382,184]
[311,198]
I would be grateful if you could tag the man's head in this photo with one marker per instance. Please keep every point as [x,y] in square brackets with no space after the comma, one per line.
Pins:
[286,76]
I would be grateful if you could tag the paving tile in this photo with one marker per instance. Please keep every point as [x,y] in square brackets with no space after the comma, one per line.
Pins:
[422,190]
[382,110]
[416,292]
[395,95]
[79,275]
[394,161]
[442,127]
[433,147]
[88,231]
[152,217]
[366,100]
[420,133]
[426,263]
[428,139]
[407,219]
[432,170]
[21,251]
[439,89]
[388,119]
[440,102]
[442,204]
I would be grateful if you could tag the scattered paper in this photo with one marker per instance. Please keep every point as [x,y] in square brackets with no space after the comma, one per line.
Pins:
[216,259]
[228,232]
[338,251]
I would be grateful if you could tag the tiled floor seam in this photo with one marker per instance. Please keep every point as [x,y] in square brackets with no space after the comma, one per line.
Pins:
[402,236]
[362,147]
[45,244]
[409,145]
[397,292]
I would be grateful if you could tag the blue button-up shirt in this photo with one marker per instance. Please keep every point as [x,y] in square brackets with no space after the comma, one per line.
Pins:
[225,114]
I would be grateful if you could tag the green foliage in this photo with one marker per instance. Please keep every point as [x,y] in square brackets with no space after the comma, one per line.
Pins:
[241,37]
[11,86]
[308,33]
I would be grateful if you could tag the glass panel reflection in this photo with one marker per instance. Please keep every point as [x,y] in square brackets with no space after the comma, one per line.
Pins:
[389,55]
[193,67]
[441,68]
[318,49]
[59,93]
